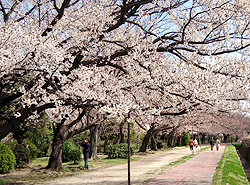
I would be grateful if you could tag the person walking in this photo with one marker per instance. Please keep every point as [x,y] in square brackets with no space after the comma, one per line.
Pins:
[212,143]
[191,144]
[86,147]
[195,143]
[217,144]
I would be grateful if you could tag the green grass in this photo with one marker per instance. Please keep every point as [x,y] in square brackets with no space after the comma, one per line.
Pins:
[184,159]
[229,170]
[102,159]
[2,182]
[43,161]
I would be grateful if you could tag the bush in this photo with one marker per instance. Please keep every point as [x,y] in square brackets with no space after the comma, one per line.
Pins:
[119,150]
[161,144]
[11,144]
[75,155]
[32,149]
[7,158]
[67,147]
[185,139]
[100,147]
[22,155]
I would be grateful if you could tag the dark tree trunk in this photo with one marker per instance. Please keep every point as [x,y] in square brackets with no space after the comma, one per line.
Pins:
[146,138]
[93,141]
[55,160]
[171,138]
[18,136]
[179,140]
[237,138]
[5,129]
[226,137]
[153,144]
[203,138]
[121,136]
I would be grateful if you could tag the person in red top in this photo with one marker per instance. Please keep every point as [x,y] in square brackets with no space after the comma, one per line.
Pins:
[191,144]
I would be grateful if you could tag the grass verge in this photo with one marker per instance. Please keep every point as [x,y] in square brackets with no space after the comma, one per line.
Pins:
[174,163]
[182,160]
[229,170]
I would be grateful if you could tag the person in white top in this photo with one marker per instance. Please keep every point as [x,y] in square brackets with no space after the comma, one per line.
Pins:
[196,143]
[217,144]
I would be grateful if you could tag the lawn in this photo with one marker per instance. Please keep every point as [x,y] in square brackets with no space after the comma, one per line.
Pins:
[229,170]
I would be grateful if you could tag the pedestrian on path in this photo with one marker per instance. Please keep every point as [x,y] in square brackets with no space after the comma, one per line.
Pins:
[86,147]
[191,144]
[217,144]
[212,143]
[195,143]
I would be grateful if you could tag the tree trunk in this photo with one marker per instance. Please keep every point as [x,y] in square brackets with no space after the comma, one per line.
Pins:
[153,144]
[121,136]
[203,138]
[55,160]
[146,139]
[179,140]
[93,141]
[226,137]
[170,137]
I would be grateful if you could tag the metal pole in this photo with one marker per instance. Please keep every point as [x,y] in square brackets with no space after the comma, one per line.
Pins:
[128,153]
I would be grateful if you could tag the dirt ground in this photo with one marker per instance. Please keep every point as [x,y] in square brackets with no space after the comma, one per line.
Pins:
[36,175]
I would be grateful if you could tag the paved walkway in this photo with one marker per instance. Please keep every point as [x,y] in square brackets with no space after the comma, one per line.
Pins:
[199,170]
[201,167]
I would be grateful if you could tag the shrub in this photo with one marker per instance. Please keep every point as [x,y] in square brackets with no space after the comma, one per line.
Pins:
[22,155]
[41,135]
[67,147]
[75,155]
[100,147]
[185,139]
[11,144]
[119,150]
[32,149]
[161,144]
[7,158]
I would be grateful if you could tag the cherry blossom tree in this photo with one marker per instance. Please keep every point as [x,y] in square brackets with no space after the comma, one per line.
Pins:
[155,57]
[215,123]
